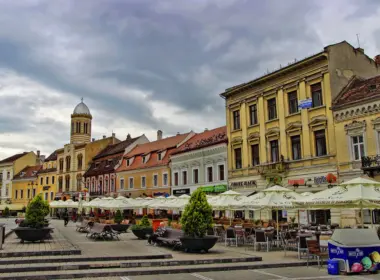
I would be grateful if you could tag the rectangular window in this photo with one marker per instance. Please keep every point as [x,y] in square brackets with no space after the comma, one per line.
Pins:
[34,193]
[176,179]
[51,196]
[255,154]
[195,176]
[253,114]
[46,196]
[42,180]
[47,180]
[122,184]
[143,182]
[16,194]
[236,116]
[238,159]
[316,95]
[358,147]
[293,102]
[8,175]
[184,177]
[272,110]
[159,156]
[296,147]
[274,152]
[165,179]
[221,172]
[6,191]
[131,183]
[320,143]
[21,194]
[209,174]
[155,180]
[28,194]
[52,179]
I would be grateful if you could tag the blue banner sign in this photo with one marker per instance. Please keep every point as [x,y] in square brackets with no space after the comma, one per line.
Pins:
[305,104]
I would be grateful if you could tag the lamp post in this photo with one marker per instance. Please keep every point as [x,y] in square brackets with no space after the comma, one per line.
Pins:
[32,184]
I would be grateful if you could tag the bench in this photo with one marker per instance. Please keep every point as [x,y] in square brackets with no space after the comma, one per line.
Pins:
[84,226]
[171,237]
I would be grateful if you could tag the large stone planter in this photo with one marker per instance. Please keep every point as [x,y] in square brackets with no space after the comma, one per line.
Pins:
[193,244]
[120,227]
[32,234]
[142,233]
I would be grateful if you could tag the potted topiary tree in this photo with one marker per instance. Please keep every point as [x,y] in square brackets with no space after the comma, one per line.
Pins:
[34,227]
[118,226]
[143,229]
[196,220]
[6,212]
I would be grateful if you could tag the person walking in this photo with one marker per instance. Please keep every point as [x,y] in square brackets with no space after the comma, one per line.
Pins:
[66,217]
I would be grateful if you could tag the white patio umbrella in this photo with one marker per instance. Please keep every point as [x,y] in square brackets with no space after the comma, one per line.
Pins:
[93,203]
[69,204]
[362,193]
[305,194]
[274,198]
[56,204]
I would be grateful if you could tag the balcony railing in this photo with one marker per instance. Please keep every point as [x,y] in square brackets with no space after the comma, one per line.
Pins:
[371,162]
[273,168]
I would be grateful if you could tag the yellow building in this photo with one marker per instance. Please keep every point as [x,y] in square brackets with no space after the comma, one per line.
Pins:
[357,128]
[75,157]
[25,186]
[145,171]
[47,178]
[280,126]
[11,166]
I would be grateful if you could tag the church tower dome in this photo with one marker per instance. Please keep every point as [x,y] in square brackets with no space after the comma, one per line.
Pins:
[80,124]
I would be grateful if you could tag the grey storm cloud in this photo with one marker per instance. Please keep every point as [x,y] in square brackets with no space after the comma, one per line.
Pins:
[125,54]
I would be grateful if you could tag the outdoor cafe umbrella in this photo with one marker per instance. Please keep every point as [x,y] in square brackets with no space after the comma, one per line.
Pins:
[359,193]
[274,198]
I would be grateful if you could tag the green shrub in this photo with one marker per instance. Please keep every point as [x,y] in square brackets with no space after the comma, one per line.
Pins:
[36,212]
[6,212]
[197,217]
[144,223]
[118,217]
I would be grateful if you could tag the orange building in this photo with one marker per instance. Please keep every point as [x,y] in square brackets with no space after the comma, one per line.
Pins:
[145,171]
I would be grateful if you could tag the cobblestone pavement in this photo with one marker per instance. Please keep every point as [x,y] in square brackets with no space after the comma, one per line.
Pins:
[9,223]
[299,273]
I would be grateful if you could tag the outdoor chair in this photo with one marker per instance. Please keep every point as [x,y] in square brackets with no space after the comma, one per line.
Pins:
[302,245]
[231,236]
[220,232]
[289,242]
[261,239]
[240,235]
[314,251]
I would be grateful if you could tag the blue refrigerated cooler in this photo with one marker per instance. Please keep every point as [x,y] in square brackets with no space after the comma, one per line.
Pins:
[358,249]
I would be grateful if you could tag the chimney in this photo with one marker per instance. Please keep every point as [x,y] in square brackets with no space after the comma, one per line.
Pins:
[177,133]
[159,134]
[206,129]
[360,50]
[129,137]
[93,139]
[104,137]
[377,60]
[38,153]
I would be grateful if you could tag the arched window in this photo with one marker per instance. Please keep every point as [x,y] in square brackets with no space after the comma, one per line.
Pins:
[68,163]
[80,161]
[79,182]
[60,184]
[72,127]
[100,190]
[67,183]
[106,186]
[77,128]
[112,187]
[85,128]
[61,164]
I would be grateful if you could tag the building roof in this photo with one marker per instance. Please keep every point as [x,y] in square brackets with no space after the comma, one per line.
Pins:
[158,145]
[13,158]
[358,90]
[153,149]
[105,166]
[117,148]
[52,157]
[204,139]
[28,172]
[81,109]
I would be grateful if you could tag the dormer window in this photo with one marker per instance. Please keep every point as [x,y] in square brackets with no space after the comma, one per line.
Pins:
[144,159]
[159,156]
[372,87]
[128,163]
[96,164]
[22,174]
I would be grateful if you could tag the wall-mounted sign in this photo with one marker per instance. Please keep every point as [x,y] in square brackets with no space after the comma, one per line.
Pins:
[305,104]
[45,188]
[243,184]
[320,180]
[181,191]
[299,182]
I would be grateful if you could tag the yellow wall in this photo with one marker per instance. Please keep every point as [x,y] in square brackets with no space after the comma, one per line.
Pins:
[23,185]
[148,173]
[28,159]
[52,186]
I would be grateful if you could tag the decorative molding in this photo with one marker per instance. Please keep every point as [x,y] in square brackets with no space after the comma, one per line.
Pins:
[273,132]
[254,136]
[357,111]
[376,123]
[355,127]
[237,141]
[294,126]
[318,120]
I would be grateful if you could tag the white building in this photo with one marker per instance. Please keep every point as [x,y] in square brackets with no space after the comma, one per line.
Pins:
[201,162]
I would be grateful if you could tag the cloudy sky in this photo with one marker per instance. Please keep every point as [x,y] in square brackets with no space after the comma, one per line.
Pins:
[143,65]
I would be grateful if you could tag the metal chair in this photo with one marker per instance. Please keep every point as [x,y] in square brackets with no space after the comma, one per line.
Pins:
[262,239]
[231,236]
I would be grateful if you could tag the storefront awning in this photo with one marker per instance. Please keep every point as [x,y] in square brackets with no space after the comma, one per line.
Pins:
[214,189]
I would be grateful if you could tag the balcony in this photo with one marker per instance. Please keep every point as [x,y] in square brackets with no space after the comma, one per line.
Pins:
[273,168]
[371,165]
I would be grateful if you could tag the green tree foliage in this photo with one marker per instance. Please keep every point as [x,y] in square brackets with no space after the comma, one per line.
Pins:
[6,212]
[118,217]
[36,212]
[197,217]
[144,223]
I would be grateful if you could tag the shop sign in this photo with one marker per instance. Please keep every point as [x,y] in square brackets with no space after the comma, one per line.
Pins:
[305,104]
[299,182]
[208,189]
[181,191]
[243,184]
[160,194]
[320,180]
[220,188]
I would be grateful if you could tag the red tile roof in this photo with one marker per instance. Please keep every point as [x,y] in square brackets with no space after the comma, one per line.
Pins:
[115,148]
[358,90]
[204,139]
[28,172]
[13,158]
[52,157]
[167,145]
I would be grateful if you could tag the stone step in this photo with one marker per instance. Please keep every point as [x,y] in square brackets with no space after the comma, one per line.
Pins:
[79,258]
[119,264]
[109,272]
